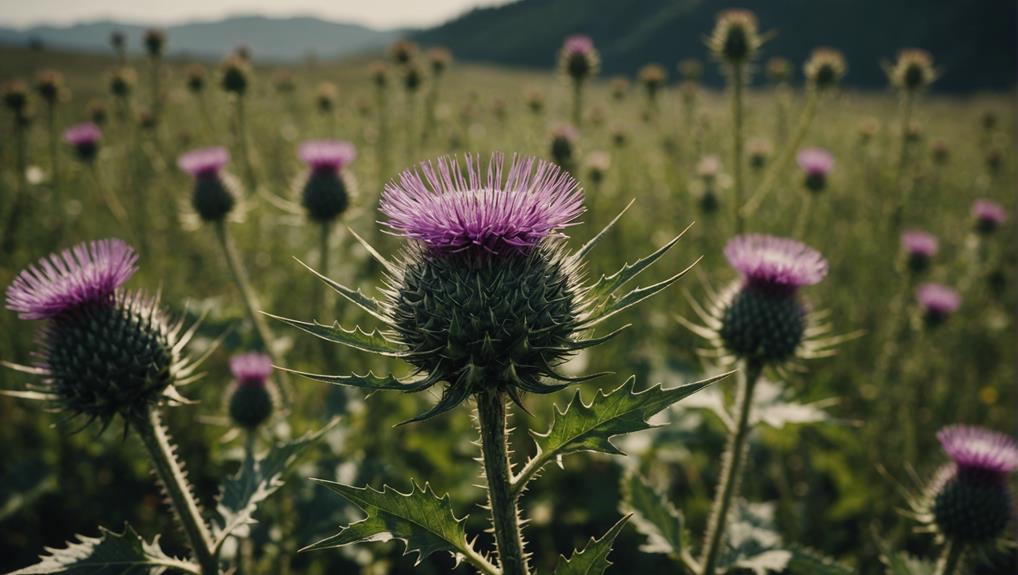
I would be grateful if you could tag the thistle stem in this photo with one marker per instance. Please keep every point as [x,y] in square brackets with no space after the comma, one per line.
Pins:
[14,217]
[738,79]
[172,476]
[787,152]
[577,103]
[731,472]
[950,558]
[505,520]
[247,294]
[901,186]
[325,231]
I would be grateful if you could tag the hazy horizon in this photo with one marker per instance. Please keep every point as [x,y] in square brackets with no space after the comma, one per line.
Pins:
[379,14]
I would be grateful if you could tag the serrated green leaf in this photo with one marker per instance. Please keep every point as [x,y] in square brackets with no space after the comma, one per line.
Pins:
[109,554]
[653,515]
[368,304]
[356,338]
[612,304]
[901,563]
[257,479]
[422,520]
[809,562]
[587,247]
[607,285]
[593,558]
[370,380]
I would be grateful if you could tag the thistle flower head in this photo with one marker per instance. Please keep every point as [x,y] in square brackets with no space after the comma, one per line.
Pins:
[774,263]
[988,216]
[254,368]
[709,167]
[493,210]
[204,162]
[212,197]
[969,501]
[326,191]
[49,84]
[938,302]
[234,75]
[87,273]
[691,69]
[325,99]
[15,96]
[825,68]
[196,78]
[403,51]
[760,150]
[578,58]
[940,152]
[598,162]
[328,155]
[779,70]
[251,399]
[619,87]
[919,248]
[653,78]
[913,71]
[85,140]
[284,82]
[413,76]
[122,81]
[104,352]
[816,164]
[118,40]
[564,139]
[97,112]
[535,100]
[155,41]
[735,39]
[379,73]
[439,59]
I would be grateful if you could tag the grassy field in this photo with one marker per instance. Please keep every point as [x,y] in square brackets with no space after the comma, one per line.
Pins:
[836,484]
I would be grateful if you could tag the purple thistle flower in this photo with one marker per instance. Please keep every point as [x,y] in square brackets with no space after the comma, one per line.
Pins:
[87,273]
[920,243]
[565,132]
[937,301]
[815,161]
[771,262]
[251,368]
[85,134]
[578,44]
[204,162]
[988,215]
[448,210]
[327,155]
[974,448]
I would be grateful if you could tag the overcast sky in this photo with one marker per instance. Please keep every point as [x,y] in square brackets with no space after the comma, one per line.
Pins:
[375,13]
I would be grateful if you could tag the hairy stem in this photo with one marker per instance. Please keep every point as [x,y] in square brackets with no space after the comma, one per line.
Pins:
[172,476]
[731,472]
[505,520]
[251,305]
[738,79]
[950,558]
[785,156]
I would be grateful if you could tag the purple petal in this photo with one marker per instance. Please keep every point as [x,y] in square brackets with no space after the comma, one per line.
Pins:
[203,162]
[977,448]
[327,154]
[770,261]
[251,367]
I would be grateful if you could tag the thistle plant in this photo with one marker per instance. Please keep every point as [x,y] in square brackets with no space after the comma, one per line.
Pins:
[15,99]
[486,299]
[85,139]
[968,504]
[562,148]
[579,62]
[325,103]
[326,194]
[652,77]
[824,71]
[155,46]
[215,194]
[619,88]
[735,43]
[911,74]
[708,171]
[252,399]
[121,85]
[779,73]
[118,41]
[439,60]
[49,85]
[413,77]
[816,165]
[235,77]
[108,354]
[760,321]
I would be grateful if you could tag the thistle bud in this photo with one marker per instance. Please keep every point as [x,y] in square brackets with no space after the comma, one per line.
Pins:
[234,75]
[937,302]
[619,87]
[326,191]
[919,248]
[147,120]
[988,216]
[15,95]
[760,151]
[196,78]
[653,78]
[825,69]
[84,138]
[913,72]
[779,70]
[403,52]
[122,82]
[251,399]
[988,120]
[764,320]
[868,128]
[155,42]
[103,351]
[379,74]
[940,153]
[735,39]
[439,59]
[325,99]
[243,51]
[914,132]
[691,70]
[597,164]
[212,197]
[413,77]
[816,165]
[97,112]
[970,500]
[535,101]
[564,139]
[578,59]
[619,136]
[708,169]
[49,84]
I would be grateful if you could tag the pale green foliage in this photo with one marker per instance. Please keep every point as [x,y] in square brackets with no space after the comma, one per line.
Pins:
[653,515]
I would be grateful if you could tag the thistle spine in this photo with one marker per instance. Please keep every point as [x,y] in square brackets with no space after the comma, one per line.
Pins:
[731,472]
[950,558]
[505,519]
[157,442]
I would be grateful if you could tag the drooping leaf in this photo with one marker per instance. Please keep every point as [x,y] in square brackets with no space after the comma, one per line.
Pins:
[593,558]
[356,338]
[809,562]
[590,427]
[257,479]
[110,553]
[422,520]
[653,515]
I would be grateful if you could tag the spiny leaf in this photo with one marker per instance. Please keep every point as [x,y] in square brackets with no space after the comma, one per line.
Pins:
[368,304]
[257,479]
[422,520]
[593,558]
[611,304]
[109,554]
[356,338]
[585,249]
[370,380]
[607,285]
[653,516]
[901,563]
[809,562]
[752,541]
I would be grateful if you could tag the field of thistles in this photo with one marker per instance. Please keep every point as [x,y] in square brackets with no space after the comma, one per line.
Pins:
[250,305]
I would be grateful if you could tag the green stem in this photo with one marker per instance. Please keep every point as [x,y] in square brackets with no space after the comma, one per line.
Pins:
[787,152]
[738,79]
[174,480]
[577,103]
[54,148]
[731,472]
[901,185]
[505,520]
[950,558]
[325,231]
[14,217]
[247,294]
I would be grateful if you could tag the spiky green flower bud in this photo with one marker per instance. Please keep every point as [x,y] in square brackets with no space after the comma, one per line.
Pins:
[735,39]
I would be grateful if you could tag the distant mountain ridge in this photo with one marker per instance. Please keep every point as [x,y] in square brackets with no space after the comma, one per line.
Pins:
[973,42]
[284,39]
